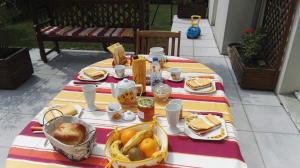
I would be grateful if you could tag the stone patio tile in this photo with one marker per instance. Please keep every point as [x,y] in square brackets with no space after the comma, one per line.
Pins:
[212,52]
[186,43]
[258,97]
[213,62]
[11,125]
[292,105]
[34,102]
[279,150]
[205,44]
[203,22]
[3,155]
[55,84]
[250,150]
[231,92]
[239,117]
[50,68]
[230,68]
[186,51]
[269,119]
[225,74]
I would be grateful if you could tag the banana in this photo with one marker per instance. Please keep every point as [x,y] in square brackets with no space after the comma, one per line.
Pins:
[115,151]
[136,139]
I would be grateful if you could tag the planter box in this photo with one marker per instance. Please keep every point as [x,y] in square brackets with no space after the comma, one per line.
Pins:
[16,68]
[186,10]
[251,78]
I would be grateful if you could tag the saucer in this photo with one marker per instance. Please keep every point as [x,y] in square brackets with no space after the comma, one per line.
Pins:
[115,76]
[179,80]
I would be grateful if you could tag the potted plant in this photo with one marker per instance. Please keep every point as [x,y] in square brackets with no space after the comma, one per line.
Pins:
[187,8]
[15,62]
[250,65]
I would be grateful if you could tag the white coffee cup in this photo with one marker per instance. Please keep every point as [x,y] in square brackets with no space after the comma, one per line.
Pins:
[157,50]
[120,70]
[89,91]
[114,109]
[175,73]
[173,112]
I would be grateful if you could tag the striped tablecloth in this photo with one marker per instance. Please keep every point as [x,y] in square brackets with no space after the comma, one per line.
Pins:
[28,149]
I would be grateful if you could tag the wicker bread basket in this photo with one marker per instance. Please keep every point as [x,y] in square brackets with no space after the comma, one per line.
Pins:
[158,131]
[73,152]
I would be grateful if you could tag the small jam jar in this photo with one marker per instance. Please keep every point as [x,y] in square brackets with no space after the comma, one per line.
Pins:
[146,109]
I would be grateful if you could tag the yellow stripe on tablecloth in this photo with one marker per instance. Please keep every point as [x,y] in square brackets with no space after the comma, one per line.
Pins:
[186,67]
[102,100]
[13,163]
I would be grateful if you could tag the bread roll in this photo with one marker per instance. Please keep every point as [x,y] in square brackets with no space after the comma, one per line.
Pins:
[70,133]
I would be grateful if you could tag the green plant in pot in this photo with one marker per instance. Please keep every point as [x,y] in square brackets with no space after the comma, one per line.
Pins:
[251,47]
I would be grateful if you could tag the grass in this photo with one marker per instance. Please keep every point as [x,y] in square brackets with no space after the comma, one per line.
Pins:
[22,33]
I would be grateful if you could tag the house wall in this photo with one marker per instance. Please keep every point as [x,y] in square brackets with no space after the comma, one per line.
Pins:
[289,78]
[232,17]
[212,11]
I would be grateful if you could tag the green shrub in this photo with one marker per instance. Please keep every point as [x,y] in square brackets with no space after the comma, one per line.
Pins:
[251,47]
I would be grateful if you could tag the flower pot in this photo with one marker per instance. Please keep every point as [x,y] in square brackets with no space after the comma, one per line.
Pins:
[248,77]
[15,67]
[187,9]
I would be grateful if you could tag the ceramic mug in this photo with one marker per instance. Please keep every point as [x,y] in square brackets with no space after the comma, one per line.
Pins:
[120,70]
[175,73]
[173,113]
[114,111]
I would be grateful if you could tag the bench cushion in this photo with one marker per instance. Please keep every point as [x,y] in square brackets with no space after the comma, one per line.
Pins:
[87,32]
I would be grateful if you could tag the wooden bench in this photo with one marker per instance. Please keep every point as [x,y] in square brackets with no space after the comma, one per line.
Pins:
[105,21]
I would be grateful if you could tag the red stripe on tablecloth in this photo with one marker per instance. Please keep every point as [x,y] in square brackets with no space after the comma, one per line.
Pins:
[64,162]
[181,61]
[179,144]
[206,98]
[111,79]
[54,157]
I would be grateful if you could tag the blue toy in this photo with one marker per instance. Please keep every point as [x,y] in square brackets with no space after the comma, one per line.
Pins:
[194,31]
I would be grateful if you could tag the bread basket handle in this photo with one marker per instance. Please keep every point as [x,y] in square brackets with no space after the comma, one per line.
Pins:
[91,132]
[51,110]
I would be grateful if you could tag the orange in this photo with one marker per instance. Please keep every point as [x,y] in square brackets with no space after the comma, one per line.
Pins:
[126,135]
[148,146]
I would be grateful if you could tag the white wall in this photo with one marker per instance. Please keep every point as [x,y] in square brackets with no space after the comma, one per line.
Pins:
[233,16]
[289,79]
[220,23]
[212,11]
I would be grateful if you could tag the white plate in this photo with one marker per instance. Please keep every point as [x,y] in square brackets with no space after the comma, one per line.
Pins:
[179,80]
[206,90]
[210,135]
[41,114]
[86,78]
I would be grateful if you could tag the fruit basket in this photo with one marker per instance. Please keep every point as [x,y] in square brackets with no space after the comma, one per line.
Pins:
[144,144]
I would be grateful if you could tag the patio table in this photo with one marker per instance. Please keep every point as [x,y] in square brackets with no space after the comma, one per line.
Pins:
[29,150]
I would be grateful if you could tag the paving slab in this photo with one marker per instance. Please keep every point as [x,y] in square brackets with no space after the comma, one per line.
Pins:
[3,155]
[250,150]
[240,119]
[270,119]
[11,125]
[279,150]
